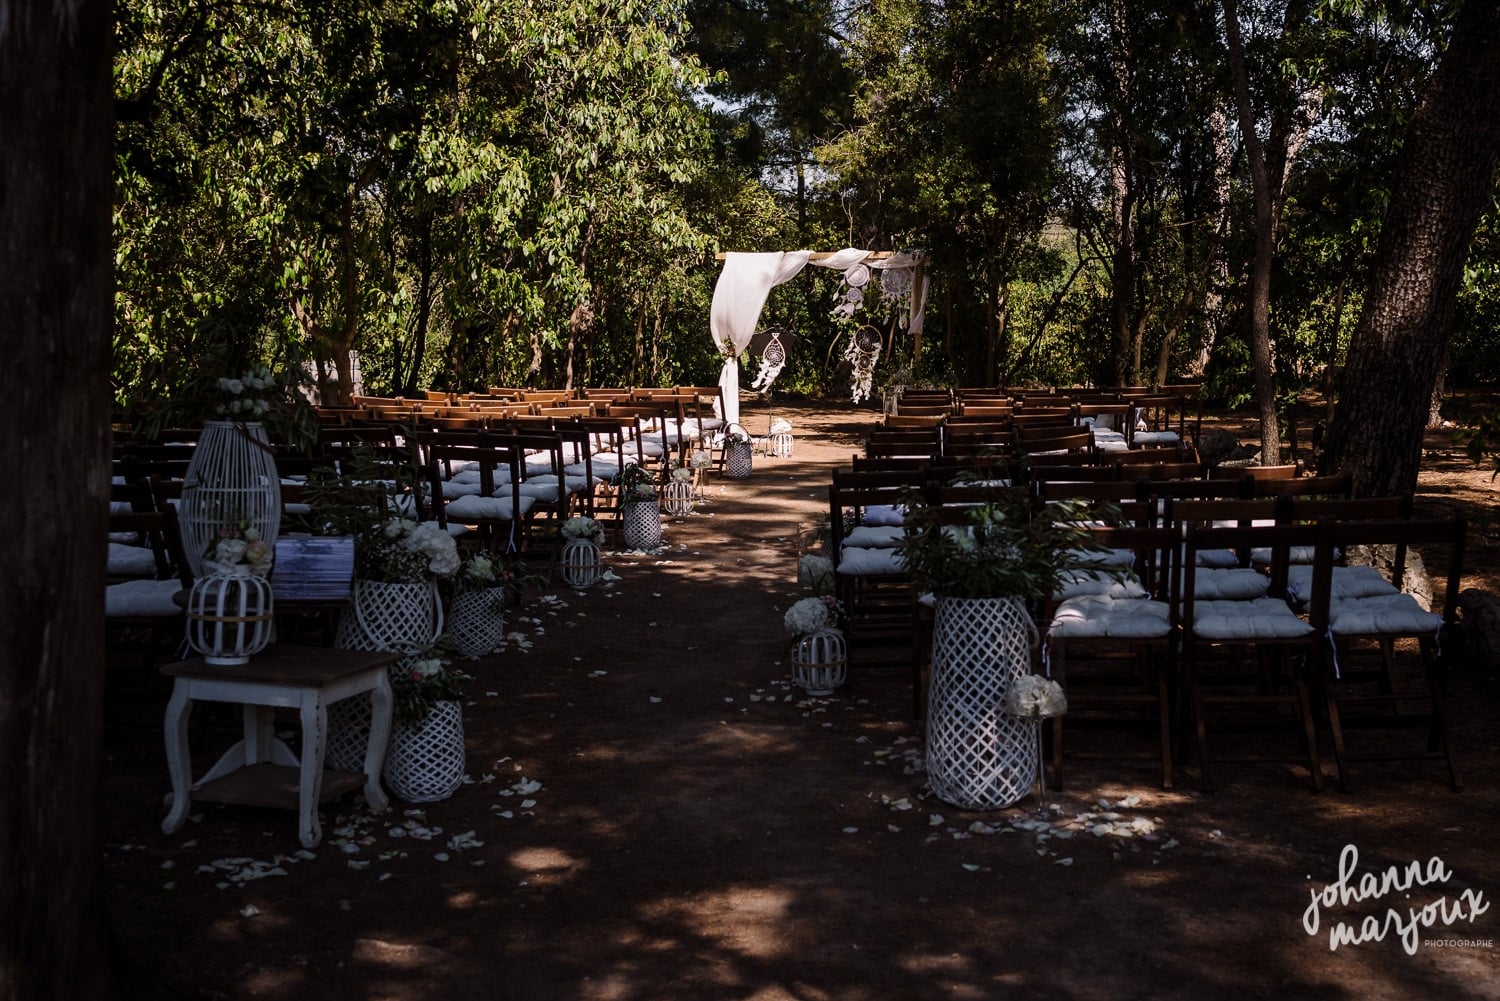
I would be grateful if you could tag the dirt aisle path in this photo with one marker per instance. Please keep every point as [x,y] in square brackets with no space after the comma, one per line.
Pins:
[657,814]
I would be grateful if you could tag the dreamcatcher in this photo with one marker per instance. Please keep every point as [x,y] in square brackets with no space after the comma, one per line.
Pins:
[772,360]
[863,352]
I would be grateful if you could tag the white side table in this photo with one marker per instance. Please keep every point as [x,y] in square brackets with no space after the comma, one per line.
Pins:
[260,770]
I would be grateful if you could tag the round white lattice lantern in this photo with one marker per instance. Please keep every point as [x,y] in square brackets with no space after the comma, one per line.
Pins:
[779,445]
[640,525]
[677,497]
[230,615]
[979,757]
[424,762]
[391,616]
[580,563]
[476,622]
[230,480]
[820,661]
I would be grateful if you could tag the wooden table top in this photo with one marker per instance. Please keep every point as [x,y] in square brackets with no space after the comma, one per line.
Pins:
[285,664]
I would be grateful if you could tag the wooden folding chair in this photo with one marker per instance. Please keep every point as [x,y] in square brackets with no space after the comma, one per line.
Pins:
[1351,619]
[1111,644]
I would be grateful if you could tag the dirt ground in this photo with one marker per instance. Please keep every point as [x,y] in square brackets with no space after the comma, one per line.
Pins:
[655,813]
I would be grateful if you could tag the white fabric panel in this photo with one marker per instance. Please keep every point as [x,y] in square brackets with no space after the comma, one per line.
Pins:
[739,295]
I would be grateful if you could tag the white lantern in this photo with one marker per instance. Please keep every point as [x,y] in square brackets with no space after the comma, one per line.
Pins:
[580,563]
[230,481]
[820,661]
[230,615]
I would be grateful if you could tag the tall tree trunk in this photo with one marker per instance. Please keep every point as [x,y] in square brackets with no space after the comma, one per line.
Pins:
[56,295]
[1447,178]
[1265,244]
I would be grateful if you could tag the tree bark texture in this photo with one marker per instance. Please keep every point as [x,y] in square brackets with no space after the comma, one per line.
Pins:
[1265,246]
[56,297]
[1446,178]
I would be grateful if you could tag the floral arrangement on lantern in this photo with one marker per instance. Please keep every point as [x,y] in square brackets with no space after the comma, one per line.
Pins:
[781,425]
[401,551]
[418,685]
[1035,697]
[232,546]
[700,459]
[810,614]
[682,474]
[249,397]
[583,528]
[636,485]
[999,549]
[476,572]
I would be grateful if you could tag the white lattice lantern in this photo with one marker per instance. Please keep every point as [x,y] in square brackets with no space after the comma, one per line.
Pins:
[424,762]
[677,497]
[230,615]
[391,616]
[820,661]
[580,563]
[979,757]
[476,622]
[231,480]
[780,445]
[640,525]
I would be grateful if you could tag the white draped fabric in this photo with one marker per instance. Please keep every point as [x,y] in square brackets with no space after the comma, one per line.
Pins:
[741,291]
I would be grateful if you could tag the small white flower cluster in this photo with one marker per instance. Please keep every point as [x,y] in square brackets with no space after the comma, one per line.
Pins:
[700,459]
[682,474]
[429,668]
[807,615]
[428,540]
[1035,696]
[245,401]
[780,424]
[479,569]
[229,547]
[581,527]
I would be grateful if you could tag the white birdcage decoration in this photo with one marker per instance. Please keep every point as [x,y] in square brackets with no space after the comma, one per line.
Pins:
[979,757]
[820,661]
[424,762]
[580,563]
[678,497]
[230,480]
[230,615]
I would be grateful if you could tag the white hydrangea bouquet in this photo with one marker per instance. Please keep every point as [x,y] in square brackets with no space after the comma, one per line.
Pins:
[584,528]
[249,397]
[1035,697]
[808,615]
[401,551]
